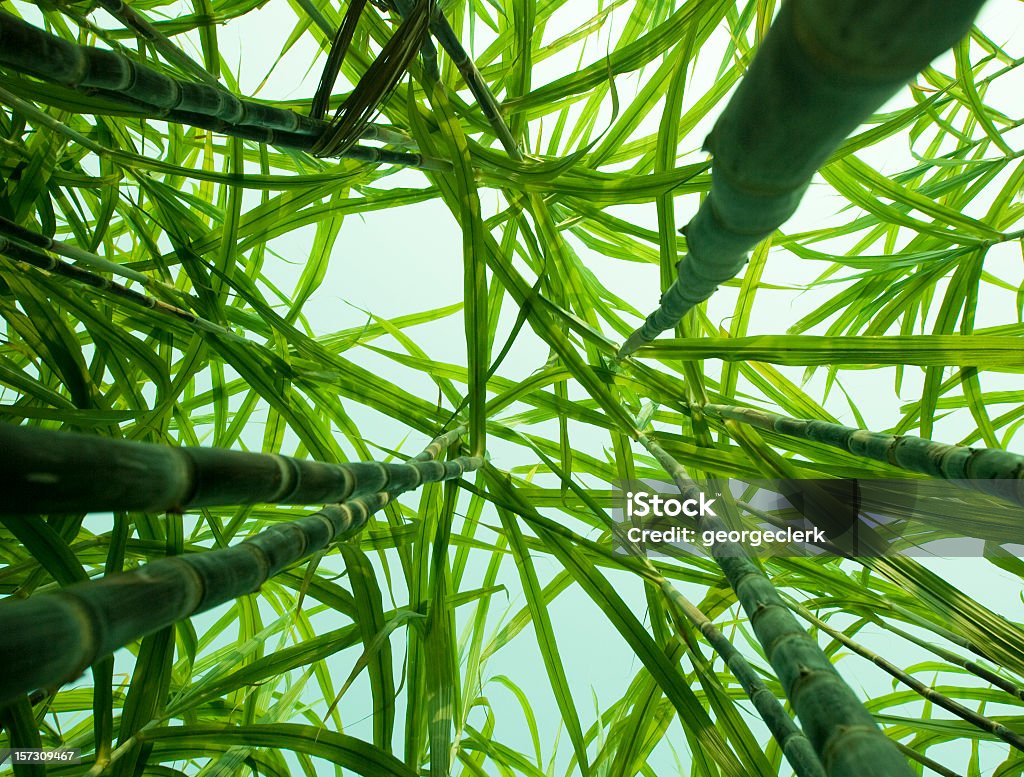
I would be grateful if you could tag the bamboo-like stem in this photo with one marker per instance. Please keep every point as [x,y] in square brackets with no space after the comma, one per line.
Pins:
[19,253]
[990,470]
[127,15]
[957,660]
[975,719]
[821,71]
[19,233]
[442,31]
[16,251]
[302,142]
[47,471]
[793,742]
[924,760]
[842,732]
[390,136]
[26,49]
[428,53]
[52,638]
[440,444]
[30,50]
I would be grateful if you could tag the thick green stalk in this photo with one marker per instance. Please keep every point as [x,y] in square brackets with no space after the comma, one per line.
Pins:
[842,732]
[990,470]
[821,71]
[19,233]
[17,251]
[45,471]
[793,742]
[975,719]
[366,154]
[925,761]
[25,49]
[51,638]
[30,50]
[142,27]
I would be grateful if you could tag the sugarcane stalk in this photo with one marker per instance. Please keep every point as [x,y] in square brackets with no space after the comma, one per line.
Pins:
[792,741]
[445,35]
[841,730]
[16,251]
[32,51]
[442,31]
[19,253]
[820,72]
[46,471]
[975,719]
[37,53]
[43,261]
[29,237]
[924,760]
[309,143]
[990,470]
[128,16]
[50,639]
[957,660]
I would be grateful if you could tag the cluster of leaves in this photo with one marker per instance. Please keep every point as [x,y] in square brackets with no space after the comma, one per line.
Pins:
[922,286]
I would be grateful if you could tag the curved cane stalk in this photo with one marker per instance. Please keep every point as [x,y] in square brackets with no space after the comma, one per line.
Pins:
[957,660]
[821,71]
[52,638]
[445,35]
[29,50]
[842,732]
[29,237]
[792,741]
